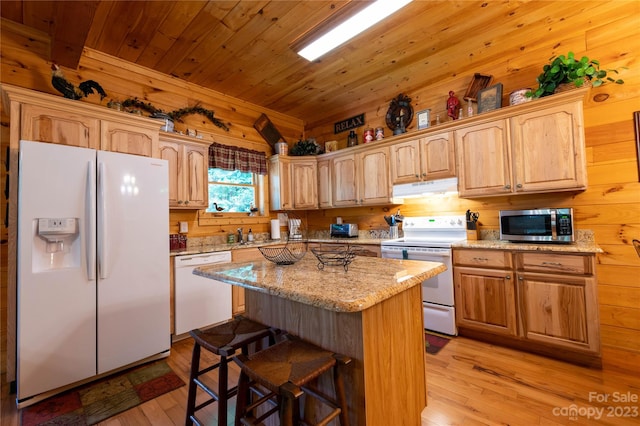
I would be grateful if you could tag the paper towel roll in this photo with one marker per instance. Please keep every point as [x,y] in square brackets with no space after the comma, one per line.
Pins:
[275,229]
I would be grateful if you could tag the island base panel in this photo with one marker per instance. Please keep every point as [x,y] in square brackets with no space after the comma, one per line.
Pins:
[386,382]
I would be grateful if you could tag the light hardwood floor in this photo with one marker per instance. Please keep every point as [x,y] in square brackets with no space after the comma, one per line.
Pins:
[470,383]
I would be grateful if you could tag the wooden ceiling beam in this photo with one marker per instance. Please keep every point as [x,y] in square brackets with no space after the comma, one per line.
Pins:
[69,31]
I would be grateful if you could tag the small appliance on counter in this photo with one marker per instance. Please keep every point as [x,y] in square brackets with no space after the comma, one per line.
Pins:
[551,225]
[344,230]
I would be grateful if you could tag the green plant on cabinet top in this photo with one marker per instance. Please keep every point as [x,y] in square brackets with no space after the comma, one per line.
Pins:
[567,69]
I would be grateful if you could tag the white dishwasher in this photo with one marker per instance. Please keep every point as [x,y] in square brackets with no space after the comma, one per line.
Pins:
[200,301]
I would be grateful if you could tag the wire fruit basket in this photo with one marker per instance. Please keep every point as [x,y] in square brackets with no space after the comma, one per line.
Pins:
[336,256]
[287,255]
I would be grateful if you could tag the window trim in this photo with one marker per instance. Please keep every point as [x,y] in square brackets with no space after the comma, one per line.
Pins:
[221,218]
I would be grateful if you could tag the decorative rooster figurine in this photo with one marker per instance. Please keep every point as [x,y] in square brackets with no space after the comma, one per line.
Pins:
[70,91]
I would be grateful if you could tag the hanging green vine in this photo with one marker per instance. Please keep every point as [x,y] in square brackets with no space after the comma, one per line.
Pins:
[175,115]
[197,109]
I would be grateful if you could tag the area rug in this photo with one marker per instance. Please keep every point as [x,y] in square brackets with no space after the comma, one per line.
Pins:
[435,342]
[93,402]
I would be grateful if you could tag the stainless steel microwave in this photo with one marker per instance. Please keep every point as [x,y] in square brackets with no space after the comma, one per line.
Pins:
[539,225]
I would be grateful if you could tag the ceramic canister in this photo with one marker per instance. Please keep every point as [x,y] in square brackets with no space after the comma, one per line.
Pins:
[282,148]
[368,135]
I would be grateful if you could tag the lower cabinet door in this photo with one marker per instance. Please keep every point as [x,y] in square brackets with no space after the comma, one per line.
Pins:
[559,310]
[485,300]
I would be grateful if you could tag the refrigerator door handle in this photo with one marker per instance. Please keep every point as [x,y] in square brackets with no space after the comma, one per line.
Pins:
[102,222]
[90,213]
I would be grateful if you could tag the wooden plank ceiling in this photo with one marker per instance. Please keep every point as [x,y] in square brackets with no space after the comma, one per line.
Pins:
[242,48]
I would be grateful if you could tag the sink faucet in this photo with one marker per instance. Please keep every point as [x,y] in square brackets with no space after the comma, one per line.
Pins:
[240,237]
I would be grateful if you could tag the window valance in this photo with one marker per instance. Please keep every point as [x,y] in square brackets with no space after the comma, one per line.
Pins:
[233,158]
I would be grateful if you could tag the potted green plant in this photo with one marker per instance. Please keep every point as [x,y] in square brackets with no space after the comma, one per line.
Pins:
[575,72]
[306,147]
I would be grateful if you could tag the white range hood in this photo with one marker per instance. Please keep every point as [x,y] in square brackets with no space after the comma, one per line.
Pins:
[426,188]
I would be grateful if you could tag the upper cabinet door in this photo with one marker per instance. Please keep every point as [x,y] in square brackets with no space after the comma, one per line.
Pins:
[405,162]
[438,156]
[484,165]
[324,184]
[305,184]
[549,151]
[344,181]
[129,139]
[188,173]
[374,186]
[50,125]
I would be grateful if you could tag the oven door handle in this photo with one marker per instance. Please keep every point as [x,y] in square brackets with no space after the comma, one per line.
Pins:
[429,254]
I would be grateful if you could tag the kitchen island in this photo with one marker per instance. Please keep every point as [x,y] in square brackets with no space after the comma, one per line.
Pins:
[372,313]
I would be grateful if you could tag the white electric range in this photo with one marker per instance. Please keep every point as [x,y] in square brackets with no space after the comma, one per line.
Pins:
[430,238]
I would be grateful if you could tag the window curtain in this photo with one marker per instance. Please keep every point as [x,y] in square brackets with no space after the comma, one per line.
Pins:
[233,158]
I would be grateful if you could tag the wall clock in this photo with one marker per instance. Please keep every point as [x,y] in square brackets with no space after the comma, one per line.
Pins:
[400,113]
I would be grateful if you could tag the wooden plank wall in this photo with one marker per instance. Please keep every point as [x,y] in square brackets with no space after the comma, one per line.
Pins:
[610,206]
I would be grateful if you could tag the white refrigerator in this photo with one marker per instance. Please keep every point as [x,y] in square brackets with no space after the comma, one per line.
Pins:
[93,264]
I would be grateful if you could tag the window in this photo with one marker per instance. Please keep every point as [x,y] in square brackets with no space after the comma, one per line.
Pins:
[232,191]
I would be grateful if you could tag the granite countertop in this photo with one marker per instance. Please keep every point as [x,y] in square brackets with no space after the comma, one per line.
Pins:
[211,248]
[351,241]
[578,247]
[585,243]
[367,282]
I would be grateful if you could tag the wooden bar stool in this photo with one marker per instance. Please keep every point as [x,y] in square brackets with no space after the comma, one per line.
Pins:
[285,371]
[222,340]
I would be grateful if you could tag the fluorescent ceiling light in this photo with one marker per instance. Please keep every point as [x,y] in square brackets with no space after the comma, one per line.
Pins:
[353,26]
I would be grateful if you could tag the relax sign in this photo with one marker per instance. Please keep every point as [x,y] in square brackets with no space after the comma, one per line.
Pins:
[348,124]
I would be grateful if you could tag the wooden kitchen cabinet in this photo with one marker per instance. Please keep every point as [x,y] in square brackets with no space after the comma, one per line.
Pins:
[485,291]
[428,158]
[549,149]
[374,183]
[541,301]
[129,138]
[47,124]
[47,118]
[344,180]
[293,183]
[537,150]
[558,300]
[361,178]
[484,165]
[188,171]
[324,184]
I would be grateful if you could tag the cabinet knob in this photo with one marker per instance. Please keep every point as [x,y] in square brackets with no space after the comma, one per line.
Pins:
[507,186]
[519,185]
[417,175]
[424,174]
[179,201]
[508,277]
[186,202]
[520,278]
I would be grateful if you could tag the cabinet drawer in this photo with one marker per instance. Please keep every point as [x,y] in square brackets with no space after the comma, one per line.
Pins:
[483,258]
[554,263]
